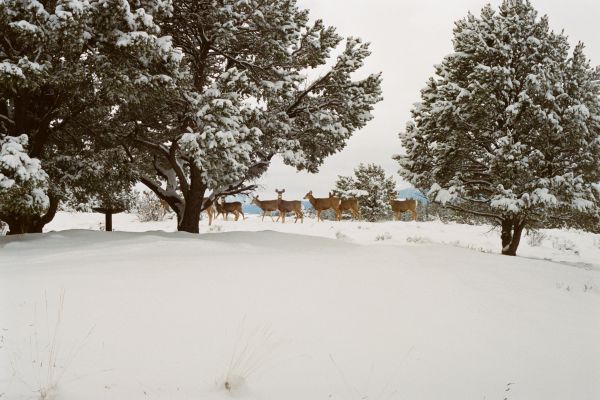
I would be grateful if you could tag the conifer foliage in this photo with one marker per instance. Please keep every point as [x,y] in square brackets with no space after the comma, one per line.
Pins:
[509,126]
[246,96]
[372,188]
[66,67]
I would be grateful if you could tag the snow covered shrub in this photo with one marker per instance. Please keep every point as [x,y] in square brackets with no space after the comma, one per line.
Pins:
[341,235]
[563,244]
[150,208]
[417,239]
[508,129]
[23,182]
[383,236]
[371,187]
[535,237]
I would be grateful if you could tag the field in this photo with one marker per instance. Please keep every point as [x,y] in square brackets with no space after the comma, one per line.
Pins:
[260,310]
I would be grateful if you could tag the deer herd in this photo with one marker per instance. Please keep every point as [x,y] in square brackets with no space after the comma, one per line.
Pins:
[284,207]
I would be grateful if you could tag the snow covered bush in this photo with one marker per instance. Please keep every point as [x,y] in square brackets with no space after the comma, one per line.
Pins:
[535,237]
[149,207]
[509,127]
[371,187]
[23,182]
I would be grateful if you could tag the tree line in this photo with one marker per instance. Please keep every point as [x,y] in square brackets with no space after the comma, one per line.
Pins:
[194,98]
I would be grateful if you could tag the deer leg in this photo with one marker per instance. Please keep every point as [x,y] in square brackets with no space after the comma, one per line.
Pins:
[264,213]
[318,215]
[414,215]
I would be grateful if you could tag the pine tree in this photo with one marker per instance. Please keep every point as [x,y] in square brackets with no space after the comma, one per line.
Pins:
[247,97]
[23,182]
[371,187]
[509,127]
[66,67]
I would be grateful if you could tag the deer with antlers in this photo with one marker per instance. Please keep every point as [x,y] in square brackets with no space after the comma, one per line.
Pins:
[225,208]
[269,206]
[350,205]
[400,206]
[322,204]
[285,206]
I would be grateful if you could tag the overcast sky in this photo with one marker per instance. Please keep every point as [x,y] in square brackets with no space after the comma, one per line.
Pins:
[407,39]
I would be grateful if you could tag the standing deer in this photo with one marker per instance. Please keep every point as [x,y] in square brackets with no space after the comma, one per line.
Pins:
[350,205]
[285,206]
[323,204]
[269,206]
[225,208]
[210,210]
[400,206]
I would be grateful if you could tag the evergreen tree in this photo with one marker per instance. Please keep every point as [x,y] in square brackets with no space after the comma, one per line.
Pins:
[247,97]
[23,182]
[371,187]
[66,66]
[509,127]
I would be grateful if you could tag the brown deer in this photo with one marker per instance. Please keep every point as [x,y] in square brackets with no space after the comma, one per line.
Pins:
[400,206]
[323,204]
[210,210]
[269,206]
[225,208]
[350,205]
[285,206]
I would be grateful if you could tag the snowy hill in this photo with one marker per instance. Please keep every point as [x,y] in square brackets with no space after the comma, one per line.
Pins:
[297,311]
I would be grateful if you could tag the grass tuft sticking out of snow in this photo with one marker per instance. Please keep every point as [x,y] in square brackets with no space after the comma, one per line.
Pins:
[250,353]
[47,360]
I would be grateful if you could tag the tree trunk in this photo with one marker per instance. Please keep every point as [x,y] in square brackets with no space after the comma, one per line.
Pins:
[189,220]
[512,228]
[20,224]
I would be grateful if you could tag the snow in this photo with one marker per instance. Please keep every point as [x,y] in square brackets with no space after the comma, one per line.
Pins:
[345,310]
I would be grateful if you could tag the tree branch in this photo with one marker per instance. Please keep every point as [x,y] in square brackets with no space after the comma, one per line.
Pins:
[479,213]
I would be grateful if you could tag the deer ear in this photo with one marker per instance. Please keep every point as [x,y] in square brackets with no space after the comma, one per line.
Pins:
[283,191]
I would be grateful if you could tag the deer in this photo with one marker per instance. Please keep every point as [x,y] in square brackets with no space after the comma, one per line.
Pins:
[266,206]
[322,204]
[350,205]
[400,206]
[210,210]
[285,206]
[225,208]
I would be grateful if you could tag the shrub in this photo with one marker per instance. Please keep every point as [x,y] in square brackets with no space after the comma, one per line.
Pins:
[150,208]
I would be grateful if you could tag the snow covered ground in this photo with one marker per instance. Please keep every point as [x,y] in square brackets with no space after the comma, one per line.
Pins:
[259,310]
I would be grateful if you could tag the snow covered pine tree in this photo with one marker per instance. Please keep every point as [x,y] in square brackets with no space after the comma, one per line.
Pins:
[65,66]
[248,98]
[372,189]
[23,183]
[509,128]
